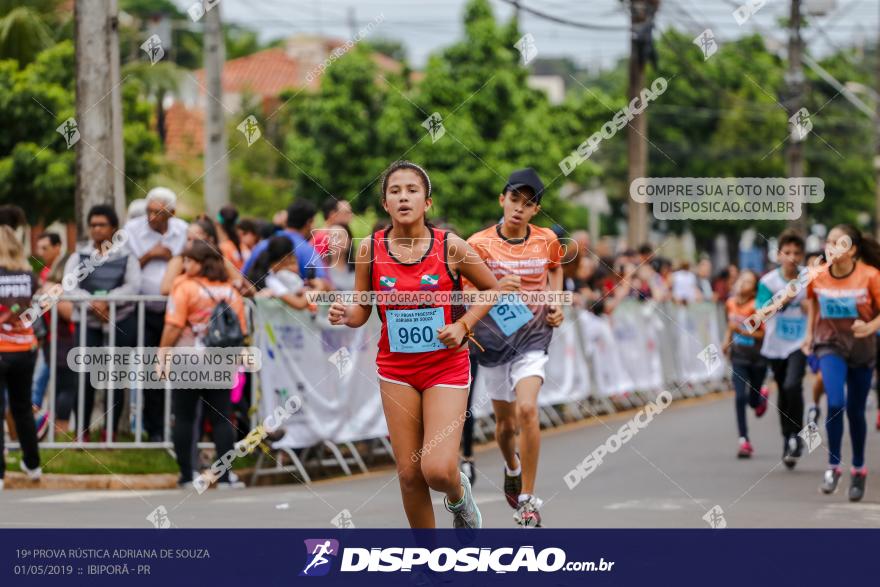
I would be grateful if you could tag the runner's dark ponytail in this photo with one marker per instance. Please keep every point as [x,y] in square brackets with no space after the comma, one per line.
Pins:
[227,217]
[867,247]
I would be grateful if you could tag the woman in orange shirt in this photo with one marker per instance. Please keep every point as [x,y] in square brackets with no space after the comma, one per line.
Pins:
[204,283]
[749,367]
[843,305]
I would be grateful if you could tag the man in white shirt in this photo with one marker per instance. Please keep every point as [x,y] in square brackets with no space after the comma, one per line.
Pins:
[154,239]
[685,287]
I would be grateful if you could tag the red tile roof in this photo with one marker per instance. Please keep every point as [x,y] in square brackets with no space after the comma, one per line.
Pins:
[184,132]
[264,73]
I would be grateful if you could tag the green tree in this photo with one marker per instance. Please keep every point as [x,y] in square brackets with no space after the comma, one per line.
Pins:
[494,124]
[339,140]
[156,82]
[26,28]
[332,147]
[187,44]
[388,47]
[37,170]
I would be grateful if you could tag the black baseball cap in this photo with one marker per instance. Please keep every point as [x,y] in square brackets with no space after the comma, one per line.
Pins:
[527,177]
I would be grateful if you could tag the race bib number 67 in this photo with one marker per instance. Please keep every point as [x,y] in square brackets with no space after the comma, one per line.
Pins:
[510,314]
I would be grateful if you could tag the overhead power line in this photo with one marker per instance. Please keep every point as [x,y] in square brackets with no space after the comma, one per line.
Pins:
[581,25]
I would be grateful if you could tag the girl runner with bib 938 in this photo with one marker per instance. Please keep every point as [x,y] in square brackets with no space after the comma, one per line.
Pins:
[844,314]
[423,364]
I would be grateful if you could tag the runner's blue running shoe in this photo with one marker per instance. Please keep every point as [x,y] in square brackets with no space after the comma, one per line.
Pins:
[465,513]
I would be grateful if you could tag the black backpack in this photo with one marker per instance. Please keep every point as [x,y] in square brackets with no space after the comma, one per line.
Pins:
[223,329]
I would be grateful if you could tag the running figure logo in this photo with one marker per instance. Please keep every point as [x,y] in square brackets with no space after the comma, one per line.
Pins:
[159,518]
[317,552]
[434,126]
[715,518]
[70,131]
[153,48]
[527,48]
[706,42]
[343,520]
[250,129]
[800,125]
[342,360]
[811,437]
[711,357]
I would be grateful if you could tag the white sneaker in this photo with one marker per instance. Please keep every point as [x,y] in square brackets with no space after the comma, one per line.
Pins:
[32,474]
[233,483]
[1,484]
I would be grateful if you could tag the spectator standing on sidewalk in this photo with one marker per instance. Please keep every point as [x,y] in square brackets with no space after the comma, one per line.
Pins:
[154,239]
[18,350]
[117,274]
[205,283]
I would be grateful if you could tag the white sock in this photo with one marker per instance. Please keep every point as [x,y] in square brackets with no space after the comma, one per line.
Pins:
[523,497]
[514,472]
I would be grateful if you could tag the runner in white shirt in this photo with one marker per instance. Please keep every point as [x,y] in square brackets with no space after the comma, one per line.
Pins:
[784,336]
[685,287]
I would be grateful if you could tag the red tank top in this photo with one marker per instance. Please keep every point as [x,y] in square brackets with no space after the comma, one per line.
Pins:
[430,273]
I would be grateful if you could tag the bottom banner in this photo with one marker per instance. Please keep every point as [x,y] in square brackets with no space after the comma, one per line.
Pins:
[442,557]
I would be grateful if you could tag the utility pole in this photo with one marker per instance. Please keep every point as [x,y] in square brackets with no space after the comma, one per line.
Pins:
[216,161]
[95,181]
[641,12]
[352,22]
[116,111]
[795,82]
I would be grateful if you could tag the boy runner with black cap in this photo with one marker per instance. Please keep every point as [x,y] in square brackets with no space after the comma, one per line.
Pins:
[516,336]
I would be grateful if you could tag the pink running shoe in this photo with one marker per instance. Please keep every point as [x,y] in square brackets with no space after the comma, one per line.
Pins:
[745,449]
[762,407]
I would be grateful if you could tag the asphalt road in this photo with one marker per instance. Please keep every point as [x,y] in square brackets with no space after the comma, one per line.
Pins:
[667,476]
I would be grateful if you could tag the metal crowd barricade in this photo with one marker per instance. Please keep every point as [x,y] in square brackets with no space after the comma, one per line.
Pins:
[136,395]
[302,461]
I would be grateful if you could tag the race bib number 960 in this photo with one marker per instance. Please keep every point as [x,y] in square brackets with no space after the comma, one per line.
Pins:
[414,331]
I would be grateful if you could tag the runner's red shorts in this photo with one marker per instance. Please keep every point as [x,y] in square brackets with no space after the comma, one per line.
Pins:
[421,371]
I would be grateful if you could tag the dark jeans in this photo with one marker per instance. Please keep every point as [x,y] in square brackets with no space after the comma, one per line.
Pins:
[789,376]
[747,380]
[217,406]
[847,390]
[16,375]
[154,399]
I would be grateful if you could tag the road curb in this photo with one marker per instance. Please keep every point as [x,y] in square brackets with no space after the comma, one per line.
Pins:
[51,481]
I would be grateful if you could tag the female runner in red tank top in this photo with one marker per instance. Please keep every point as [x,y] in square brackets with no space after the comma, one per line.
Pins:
[422,363]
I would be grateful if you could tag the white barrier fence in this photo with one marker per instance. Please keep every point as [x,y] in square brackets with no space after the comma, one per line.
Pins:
[597,364]
[630,356]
